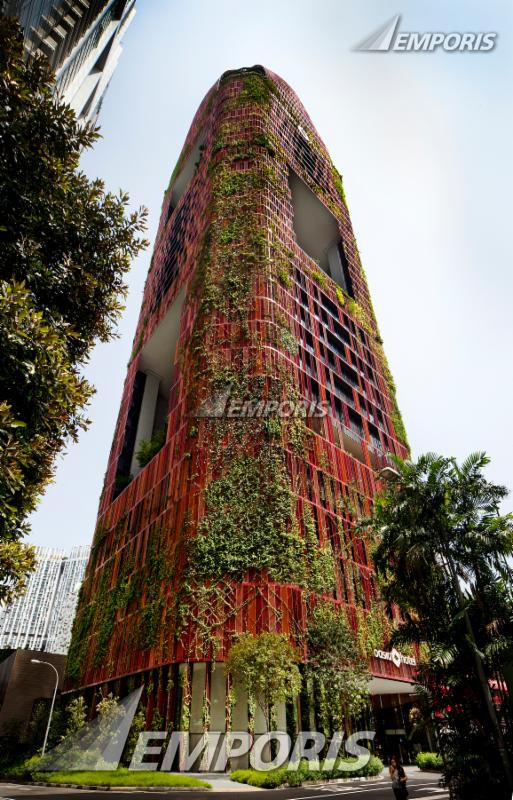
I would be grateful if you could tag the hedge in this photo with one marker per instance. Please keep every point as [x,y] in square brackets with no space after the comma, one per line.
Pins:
[429,761]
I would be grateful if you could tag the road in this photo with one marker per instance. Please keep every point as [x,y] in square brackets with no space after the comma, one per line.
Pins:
[422,786]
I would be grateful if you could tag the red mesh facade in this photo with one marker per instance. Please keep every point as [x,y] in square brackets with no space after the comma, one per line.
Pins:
[258,314]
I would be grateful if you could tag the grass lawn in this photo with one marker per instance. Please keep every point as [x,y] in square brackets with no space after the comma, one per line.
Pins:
[121,777]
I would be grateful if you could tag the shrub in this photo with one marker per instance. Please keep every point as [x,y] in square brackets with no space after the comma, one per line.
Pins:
[373,767]
[150,447]
[22,769]
[295,778]
[122,481]
[429,761]
[240,775]
[269,780]
[282,776]
[264,780]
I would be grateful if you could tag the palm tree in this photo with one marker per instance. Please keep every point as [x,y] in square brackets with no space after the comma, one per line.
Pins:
[441,554]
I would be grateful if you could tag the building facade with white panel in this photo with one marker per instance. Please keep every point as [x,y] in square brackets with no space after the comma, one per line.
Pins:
[42,618]
[81,40]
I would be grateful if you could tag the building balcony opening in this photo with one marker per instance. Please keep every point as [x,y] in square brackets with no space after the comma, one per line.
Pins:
[186,174]
[317,232]
[146,426]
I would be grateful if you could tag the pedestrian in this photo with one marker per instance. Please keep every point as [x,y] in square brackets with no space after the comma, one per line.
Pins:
[398,778]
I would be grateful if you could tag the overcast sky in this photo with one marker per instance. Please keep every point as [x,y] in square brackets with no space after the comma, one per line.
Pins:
[424,142]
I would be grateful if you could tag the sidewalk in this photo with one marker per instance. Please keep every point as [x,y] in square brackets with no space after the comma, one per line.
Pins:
[222,783]
[413,770]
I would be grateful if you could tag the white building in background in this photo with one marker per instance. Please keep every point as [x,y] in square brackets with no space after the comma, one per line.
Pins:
[81,39]
[63,614]
[43,617]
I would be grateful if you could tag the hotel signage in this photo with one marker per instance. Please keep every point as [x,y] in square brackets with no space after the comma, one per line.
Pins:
[395,657]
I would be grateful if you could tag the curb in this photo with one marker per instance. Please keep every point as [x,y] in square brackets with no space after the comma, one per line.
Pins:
[332,782]
[375,779]
[236,786]
[89,786]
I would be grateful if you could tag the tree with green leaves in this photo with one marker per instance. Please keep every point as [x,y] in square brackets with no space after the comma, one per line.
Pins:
[137,727]
[65,247]
[442,557]
[335,669]
[265,666]
[76,715]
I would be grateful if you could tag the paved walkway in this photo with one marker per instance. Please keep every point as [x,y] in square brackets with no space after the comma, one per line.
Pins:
[221,782]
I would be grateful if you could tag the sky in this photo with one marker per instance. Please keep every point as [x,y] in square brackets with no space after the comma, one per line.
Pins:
[423,141]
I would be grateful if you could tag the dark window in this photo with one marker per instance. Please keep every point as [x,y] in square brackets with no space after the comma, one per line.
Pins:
[174,250]
[336,344]
[125,458]
[341,332]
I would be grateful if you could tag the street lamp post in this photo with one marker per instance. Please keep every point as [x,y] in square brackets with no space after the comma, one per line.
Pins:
[37,661]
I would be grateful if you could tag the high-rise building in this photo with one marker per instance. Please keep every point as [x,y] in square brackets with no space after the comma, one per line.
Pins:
[66,597]
[43,617]
[81,40]
[245,519]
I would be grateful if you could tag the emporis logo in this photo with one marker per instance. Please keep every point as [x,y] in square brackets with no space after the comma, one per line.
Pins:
[100,744]
[390,39]
[224,404]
